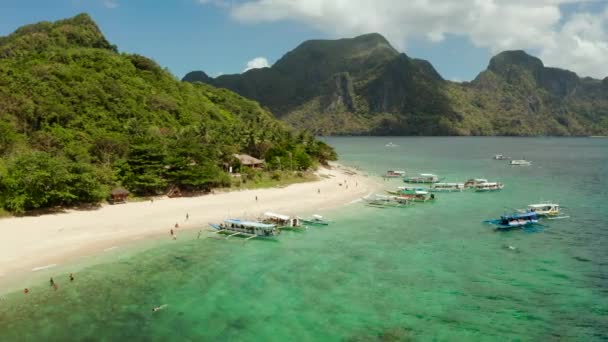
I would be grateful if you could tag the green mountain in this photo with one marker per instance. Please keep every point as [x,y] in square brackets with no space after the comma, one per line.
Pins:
[364,86]
[77,118]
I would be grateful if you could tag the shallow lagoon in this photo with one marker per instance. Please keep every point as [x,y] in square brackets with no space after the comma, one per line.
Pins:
[432,271]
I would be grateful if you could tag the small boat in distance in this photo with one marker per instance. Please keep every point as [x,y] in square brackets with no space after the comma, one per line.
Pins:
[520,162]
[544,209]
[489,186]
[514,221]
[500,157]
[394,174]
[282,221]
[446,187]
[250,229]
[316,220]
[390,144]
[422,178]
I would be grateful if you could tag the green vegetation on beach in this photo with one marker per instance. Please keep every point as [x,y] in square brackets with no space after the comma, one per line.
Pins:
[78,118]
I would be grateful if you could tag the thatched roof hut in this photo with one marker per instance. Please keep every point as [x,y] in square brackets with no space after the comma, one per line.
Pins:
[119,195]
[248,160]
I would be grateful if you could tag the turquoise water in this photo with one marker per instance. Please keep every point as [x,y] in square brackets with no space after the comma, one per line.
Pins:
[429,272]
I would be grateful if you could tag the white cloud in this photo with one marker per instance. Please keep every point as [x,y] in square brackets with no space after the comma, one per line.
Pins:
[256,63]
[577,41]
[110,4]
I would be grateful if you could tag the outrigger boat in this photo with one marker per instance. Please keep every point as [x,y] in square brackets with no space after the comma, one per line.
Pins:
[417,195]
[473,182]
[518,220]
[316,220]
[489,186]
[500,157]
[394,174]
[405,190]
[249,229]
[446,187]
[520,162]
[543,209]
[382,201]
[422,178]
[282,221]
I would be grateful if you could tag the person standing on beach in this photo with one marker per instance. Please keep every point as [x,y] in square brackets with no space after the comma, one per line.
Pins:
[187,216]
[199,234]
[256,198]
[172,233]
[71,276]
[319,190]
[176,225]
[52,282]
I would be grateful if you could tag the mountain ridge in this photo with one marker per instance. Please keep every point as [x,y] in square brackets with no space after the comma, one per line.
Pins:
[368,87]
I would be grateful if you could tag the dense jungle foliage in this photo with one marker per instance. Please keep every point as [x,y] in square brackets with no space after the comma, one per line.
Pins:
[78,118]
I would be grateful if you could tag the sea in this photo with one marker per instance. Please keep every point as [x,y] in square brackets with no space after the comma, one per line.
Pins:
[432,271]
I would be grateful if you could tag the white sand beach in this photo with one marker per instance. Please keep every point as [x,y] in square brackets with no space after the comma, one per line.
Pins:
[35,242]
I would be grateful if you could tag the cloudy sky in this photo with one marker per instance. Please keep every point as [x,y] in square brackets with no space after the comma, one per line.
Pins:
[230,36]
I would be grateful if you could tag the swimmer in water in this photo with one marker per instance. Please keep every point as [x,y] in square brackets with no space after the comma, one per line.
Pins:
[158,308]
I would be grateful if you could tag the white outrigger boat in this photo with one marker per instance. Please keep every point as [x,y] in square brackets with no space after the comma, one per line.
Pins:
[249,229]
[473,182]
[422,178]
[282,221]
[500,157]
[383,201]
[489,186]
[316,220]
[446,187]
[394,174]
[544,209]
[520,162]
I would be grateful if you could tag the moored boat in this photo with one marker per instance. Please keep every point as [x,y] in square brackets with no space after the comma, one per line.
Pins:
[422,178]
[473,182]
[418,196]
[249,229]
[282,221]
[500,157]
[390,144]
[544,209]
[316,220]
[518,220]
[489,186]
[446,187]
[520,162]
[394,174]
[383,201]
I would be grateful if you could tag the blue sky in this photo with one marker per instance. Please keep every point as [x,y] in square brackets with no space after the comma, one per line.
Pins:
[221,36]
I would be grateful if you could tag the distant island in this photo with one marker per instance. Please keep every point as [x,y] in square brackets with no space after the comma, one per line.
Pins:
[363,86]
[78,119]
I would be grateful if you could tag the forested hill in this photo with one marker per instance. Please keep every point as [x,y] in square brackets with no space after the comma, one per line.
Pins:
[364,86]
[78,118]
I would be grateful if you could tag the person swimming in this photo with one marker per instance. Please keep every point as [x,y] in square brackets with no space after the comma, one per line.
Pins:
[158,308]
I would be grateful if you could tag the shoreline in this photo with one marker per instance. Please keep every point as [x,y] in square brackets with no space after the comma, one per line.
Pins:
[35,245]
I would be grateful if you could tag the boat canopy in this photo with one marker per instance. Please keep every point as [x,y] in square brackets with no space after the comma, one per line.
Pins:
[277,216]
[420,192]
[396,171]
[249,223]
[488,184]
[317,216]
[543,205]
[447,184]
[531,215]
[428,175]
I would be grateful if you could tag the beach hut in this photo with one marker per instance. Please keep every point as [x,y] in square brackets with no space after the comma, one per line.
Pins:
[118,195]
[249,161]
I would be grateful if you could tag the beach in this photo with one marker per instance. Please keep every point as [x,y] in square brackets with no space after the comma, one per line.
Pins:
[35,243]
